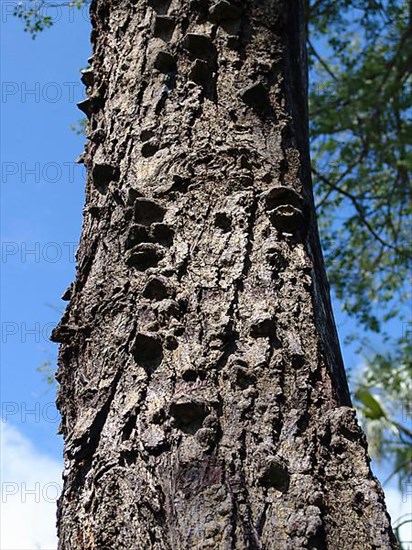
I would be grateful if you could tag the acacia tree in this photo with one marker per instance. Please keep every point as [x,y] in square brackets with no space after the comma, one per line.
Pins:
[203,398]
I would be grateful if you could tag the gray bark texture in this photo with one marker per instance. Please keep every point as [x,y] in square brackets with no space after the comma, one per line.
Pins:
[203,398]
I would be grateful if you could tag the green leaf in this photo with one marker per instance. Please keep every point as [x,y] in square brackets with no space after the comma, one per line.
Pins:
[372,409]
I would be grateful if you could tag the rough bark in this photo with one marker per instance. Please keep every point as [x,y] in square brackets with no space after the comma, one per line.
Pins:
[203,397]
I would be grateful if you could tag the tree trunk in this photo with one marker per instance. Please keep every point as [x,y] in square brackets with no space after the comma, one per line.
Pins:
[203,395]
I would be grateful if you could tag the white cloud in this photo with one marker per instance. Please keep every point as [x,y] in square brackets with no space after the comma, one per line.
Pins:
[30,485]
[400,509]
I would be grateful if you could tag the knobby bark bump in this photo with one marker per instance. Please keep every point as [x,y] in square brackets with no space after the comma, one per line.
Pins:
[203,398]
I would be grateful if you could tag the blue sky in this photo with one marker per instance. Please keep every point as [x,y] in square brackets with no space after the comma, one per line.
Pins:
[42,194]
